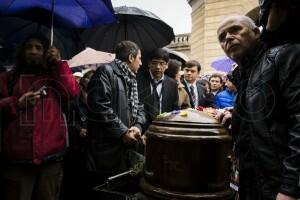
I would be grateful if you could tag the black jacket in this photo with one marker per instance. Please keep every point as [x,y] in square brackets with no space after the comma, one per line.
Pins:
[108,119]
[266,120]
[169,95]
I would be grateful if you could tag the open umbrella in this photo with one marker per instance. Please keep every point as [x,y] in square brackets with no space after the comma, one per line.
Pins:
[137,25]
[62,13]
[13,30]
[90,56]
[67,13]
[177,55]
[223,64]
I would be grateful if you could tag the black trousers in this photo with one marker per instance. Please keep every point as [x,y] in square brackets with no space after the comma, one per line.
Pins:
[251,188]
[31,182]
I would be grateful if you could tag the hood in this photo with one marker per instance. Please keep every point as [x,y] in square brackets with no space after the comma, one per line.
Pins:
[265,5]
[288,31]
[264,8]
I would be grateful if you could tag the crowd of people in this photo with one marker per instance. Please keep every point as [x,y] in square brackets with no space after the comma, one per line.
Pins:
[56,125]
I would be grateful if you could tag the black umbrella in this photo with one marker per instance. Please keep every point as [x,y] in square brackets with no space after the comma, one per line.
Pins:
[14,30]
[177,55]
[137,25]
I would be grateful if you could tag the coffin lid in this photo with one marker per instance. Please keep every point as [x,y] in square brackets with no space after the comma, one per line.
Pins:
[187,116]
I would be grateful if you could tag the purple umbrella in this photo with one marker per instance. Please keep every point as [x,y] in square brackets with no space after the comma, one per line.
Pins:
[223,64]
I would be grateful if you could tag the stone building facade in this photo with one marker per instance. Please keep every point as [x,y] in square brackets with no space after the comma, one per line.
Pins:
[182,44]
[206,16]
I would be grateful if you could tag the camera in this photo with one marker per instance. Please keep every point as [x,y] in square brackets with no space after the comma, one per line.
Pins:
[43,91]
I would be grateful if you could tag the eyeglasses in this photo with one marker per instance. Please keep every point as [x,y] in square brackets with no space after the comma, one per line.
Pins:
[158,62]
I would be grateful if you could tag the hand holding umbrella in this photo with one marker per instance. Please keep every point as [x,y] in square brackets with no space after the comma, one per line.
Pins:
[52,56]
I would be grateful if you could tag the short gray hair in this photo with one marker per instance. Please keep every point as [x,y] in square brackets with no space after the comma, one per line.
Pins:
[242,18]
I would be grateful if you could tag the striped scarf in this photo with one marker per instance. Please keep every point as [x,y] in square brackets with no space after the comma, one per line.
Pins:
[132,93]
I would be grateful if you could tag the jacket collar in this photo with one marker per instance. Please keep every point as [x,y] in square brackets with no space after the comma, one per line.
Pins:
[115,68]
[247,64]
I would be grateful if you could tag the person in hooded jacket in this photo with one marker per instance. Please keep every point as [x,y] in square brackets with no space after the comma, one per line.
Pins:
[227,97]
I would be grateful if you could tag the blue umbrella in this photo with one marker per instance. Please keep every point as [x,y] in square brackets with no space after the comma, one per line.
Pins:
[223,64]
[63,13]
[13,30]
[67,13]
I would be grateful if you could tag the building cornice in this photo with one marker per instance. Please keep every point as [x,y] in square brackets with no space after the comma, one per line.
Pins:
[181,41]
[195,4]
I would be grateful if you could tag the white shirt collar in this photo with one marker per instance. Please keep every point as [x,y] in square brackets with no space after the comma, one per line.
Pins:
[190,84]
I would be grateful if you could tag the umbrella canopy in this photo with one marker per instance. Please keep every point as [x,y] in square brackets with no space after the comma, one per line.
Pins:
[66,13]
[177,55]
[137,25]
[14,30]
[223,64]
[90,56]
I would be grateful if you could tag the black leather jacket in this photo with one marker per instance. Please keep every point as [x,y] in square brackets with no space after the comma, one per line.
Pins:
[109,117]
[266,120]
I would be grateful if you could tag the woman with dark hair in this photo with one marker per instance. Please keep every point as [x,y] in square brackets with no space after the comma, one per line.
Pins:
[210,98]
[173,72]
[227,97]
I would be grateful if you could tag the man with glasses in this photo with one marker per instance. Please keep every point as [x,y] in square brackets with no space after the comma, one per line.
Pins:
[157,92]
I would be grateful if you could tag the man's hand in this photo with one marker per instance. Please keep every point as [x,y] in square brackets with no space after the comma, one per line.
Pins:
[138,135]
[52,56]
[132,135]
[224,117]
[28,99]
[144,138]
[281,196]
[227,116]
[82,132]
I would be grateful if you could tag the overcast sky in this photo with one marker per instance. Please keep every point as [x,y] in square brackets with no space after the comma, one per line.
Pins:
[176,13]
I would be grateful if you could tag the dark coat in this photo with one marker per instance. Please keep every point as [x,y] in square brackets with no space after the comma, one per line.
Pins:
[204,99]
[76,112]
[266,122]
[169,95]
[109,118]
